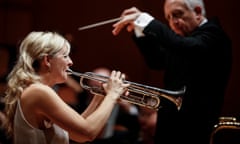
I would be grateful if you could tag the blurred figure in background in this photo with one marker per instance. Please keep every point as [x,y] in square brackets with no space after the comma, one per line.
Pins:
[122,126]
[147,120]
[108,130]
[3,135]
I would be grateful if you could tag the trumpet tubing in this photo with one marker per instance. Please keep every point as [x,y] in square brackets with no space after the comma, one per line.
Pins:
[139,94]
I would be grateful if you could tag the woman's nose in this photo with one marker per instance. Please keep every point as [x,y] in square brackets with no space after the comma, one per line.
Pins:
[70,63]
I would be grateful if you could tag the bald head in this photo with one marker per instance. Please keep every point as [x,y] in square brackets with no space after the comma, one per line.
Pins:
[102,71]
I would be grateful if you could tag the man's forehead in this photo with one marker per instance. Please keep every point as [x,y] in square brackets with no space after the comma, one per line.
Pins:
[174,5]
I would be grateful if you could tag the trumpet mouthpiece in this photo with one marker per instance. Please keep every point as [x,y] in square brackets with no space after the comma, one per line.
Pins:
[69,71]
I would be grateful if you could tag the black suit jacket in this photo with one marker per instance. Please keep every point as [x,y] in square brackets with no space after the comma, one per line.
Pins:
[200,61]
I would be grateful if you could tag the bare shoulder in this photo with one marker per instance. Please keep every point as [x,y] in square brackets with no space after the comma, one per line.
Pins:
[36,93]
[36,101]
[38,89]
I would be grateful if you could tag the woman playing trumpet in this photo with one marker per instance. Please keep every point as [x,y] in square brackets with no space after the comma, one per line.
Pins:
[35,113]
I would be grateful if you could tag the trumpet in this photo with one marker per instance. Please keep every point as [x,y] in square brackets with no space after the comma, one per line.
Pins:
[139,94]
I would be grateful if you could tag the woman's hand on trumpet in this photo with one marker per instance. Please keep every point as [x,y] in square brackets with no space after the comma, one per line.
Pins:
[115,87]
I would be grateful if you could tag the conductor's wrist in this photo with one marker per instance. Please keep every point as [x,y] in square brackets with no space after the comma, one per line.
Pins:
[141,22]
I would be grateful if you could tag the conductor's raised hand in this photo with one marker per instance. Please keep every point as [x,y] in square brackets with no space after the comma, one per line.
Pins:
[128,17]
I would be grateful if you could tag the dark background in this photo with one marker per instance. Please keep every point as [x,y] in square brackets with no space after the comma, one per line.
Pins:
[97,46]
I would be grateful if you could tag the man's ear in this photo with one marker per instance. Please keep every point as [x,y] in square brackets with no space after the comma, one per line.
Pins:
[198,10]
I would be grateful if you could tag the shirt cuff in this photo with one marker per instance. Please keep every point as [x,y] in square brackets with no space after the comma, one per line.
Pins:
[141,22]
